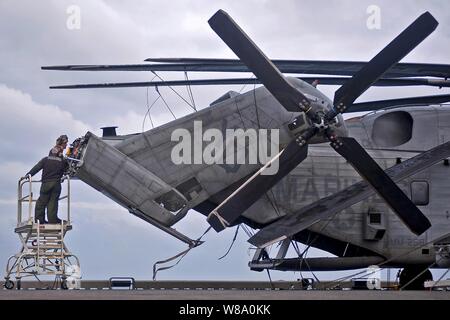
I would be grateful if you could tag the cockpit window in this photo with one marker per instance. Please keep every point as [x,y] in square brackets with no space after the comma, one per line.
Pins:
[392,129]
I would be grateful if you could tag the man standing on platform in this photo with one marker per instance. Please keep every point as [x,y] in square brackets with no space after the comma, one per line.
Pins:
[53,167]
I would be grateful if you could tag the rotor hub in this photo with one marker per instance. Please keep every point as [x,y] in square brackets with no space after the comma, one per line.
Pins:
[322,124]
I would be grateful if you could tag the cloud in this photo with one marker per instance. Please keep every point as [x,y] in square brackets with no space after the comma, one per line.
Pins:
[31,128]
[28,130]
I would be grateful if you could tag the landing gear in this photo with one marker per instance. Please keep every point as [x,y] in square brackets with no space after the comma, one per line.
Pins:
[409,273]
[64,283]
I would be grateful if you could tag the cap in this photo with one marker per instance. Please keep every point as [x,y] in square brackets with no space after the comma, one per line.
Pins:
[62,139]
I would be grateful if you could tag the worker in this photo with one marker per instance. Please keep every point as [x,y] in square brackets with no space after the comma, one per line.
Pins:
[53,167]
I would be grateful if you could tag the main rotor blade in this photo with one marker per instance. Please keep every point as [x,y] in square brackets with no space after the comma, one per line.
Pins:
[421,28]
[195,60]
[325,208]
[339,68]
[355,154]
[344,68]
[412,101]
[256,186]
[289,97]
[233,81]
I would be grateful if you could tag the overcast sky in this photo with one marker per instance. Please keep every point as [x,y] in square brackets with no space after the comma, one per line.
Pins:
[108,240]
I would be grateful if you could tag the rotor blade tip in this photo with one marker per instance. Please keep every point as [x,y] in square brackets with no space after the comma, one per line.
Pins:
[221,12]
[428,16]
[218,15]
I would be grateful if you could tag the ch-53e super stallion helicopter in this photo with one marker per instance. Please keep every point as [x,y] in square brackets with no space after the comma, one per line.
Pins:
[396,216]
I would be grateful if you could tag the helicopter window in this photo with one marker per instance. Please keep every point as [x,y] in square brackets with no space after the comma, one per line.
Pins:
[190,188]
[420,193]
[392,129]
[375,218]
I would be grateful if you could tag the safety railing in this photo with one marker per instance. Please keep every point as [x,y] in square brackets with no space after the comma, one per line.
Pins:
[27,198]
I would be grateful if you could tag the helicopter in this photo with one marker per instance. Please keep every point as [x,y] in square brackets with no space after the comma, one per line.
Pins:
[371,189]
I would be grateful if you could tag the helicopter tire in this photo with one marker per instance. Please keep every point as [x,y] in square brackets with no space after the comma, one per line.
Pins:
[409,273]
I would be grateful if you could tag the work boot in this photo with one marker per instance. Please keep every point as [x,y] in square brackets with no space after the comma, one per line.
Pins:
[41,221]
[58,221]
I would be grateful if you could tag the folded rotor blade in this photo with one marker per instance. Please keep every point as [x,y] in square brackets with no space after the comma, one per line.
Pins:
[407,211]
[341,68]
[289,97]
[194,60]
[413,101]
[256,186]
[232,81]
[326,207]
[421,28]
[197,67]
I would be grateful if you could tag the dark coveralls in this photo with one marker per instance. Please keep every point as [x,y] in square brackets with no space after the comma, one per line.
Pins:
[53,168]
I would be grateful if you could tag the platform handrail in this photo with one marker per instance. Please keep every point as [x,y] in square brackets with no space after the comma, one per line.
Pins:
[67,177]
[21,198]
